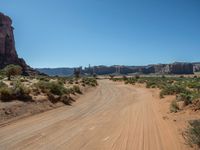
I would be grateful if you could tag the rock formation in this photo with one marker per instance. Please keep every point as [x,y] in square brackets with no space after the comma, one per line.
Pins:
[181,68]
[8,54]
[196,67]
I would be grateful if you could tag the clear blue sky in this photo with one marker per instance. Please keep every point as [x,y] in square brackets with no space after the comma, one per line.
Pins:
[66,33]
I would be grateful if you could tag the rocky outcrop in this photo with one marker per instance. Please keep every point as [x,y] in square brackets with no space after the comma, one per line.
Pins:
[196,67]
[8,53]
[181,68]
[174,68]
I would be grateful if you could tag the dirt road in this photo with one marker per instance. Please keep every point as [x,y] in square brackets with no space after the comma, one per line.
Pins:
[113,116]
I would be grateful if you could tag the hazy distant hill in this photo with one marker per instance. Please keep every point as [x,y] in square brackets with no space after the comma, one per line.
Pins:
[56,71]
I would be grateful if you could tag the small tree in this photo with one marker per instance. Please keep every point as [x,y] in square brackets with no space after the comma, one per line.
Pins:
[12,70]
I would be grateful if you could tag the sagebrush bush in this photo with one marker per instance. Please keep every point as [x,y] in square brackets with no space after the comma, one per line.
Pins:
[21,92]
[173,89]
[56,88]
[52,87]
[17,92]
[90,81]
[192,134]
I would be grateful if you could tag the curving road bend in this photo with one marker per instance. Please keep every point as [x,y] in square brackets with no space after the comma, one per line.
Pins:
[112,116]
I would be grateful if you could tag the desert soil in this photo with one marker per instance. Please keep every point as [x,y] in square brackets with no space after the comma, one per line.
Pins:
[113,116]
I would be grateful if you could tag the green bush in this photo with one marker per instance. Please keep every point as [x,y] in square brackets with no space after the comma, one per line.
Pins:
[56,88]
[52,87]
[12,70]
[173,89]
[192,134]
[187,98]
[17,92]
[43,86]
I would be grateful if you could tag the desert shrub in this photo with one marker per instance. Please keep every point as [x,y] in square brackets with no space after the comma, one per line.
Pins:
[173,89]
[21,92]
[17,92]
[69,90]
[66,99]
[192,134]
[187,98]
[51,87]
[2,84]
[137,76]
[77,89]
[53,98]
[43,78]
[196,104]
[24,80]
[71,81]
[130,81]
[195,85]
[90,81]
[12,70]
[56,88]
[6,94]
[1,77]
[174,106]
[43,86]
[151,84]
[163,76]
[61,81]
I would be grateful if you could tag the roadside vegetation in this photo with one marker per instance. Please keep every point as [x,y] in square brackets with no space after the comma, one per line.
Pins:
[15,86]
[185,89]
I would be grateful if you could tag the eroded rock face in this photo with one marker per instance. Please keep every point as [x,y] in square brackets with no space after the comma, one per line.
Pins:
[181,68]
[196,67]
[8,53]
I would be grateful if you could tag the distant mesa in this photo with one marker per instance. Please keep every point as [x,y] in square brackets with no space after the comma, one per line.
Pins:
[177,68]
[174,68]
[8,53]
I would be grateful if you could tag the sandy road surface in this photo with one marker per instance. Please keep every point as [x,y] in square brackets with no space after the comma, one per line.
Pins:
[113,116]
